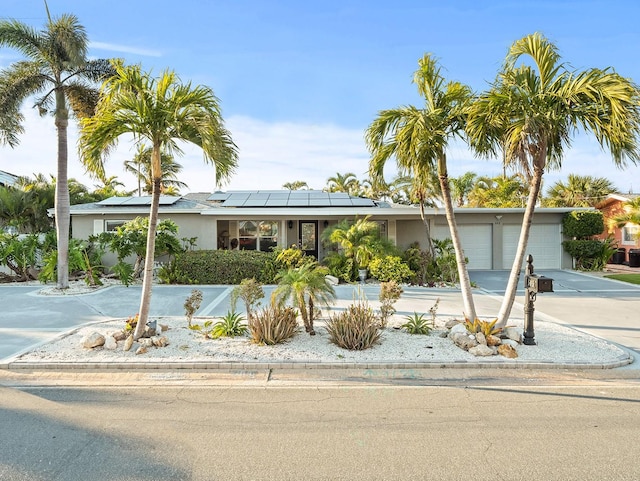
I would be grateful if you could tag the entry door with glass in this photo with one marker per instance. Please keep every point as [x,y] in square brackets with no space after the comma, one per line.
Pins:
[309,237]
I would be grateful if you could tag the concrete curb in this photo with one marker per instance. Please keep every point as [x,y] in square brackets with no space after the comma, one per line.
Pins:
[620,361]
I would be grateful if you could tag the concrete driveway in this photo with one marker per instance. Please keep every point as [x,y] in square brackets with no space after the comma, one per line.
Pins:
[602,307]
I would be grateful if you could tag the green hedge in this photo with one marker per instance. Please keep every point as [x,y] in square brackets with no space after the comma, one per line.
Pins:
[583,223]
[226,267]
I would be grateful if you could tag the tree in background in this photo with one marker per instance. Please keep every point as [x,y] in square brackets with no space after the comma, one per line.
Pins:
[140,167]
[578,191]
[296,185]
[417,138]
[498,191]
[58,73]
[530,114]
[461,187]
[159,111]
[343,183]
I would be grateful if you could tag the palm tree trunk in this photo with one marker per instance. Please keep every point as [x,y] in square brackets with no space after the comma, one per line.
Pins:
[430,248]
[514,276]
[463,274]
[145,298]
[62,207]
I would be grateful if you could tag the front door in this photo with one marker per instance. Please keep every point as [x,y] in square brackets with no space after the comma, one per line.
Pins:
[309,237]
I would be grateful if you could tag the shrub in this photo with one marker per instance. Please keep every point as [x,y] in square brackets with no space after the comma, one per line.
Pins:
[340,266]
[588,254]
[485,327]
[581,224]
[192,304]
[417,324]
[356,328]
[226,267]
[390,292]
[390,268]
[420,262]
[273,325]
[229,326]
[291,257]
[250,292]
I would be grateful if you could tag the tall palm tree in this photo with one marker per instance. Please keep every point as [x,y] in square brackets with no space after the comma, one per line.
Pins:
[533,109]
[57,72]
[159,111]
[418,137]
[140,166]
[306,287]
[631,214]
[579,191]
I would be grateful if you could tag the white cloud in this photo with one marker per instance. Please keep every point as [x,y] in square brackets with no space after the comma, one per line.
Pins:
[113,47]
[271,154]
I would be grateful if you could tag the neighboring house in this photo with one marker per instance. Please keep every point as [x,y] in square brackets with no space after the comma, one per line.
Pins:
[7,179]
[260,220]
[626,237]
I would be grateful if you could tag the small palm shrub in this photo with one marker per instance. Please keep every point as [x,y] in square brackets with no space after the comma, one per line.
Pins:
[273,324]
[418,324]
[229,326]
[390,292]
[356,328]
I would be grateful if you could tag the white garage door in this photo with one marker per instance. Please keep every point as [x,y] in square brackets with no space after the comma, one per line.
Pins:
[476,242]
[545,245]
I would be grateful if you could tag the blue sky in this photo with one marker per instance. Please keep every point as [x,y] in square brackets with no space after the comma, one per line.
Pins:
[299,82]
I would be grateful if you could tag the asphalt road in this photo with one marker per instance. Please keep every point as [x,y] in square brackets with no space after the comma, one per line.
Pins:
[471,431]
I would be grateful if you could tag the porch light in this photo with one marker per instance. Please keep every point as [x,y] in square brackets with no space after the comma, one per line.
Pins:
[290,224]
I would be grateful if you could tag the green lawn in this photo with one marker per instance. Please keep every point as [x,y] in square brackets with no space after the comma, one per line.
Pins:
[631,278]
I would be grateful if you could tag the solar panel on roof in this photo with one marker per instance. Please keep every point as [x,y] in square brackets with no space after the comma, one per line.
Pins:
[341,202]
[252,202]
[279,195]
[112,201]
[218,196]
[360,202]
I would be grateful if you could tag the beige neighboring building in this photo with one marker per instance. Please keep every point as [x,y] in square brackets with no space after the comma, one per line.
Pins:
[260,220]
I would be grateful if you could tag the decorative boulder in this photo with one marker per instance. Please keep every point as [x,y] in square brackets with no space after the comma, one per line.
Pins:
[513,333]
[332,280]
[482,350]
[110,343]
[510,342]
[507,351]
[120,335]
[459,329]
[93,339]
[481,338]
[493,340]
[128,343]
[463,341]
[160,341]
[150,329]
[451,322]
[163,327]
[142,350]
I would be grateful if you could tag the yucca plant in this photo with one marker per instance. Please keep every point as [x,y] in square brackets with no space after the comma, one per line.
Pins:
[230,325]
[418,324]
[357,328]
[273,324]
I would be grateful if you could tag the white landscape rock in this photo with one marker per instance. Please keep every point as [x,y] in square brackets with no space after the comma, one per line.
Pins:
[459,329]
[482,350]
[110,343]
[513,333]
[93,339]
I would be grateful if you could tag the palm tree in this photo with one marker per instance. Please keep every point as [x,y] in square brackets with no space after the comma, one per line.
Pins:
[159,111]
[631,214]
[342,183]
[108,187]
[500,191]
[418,140]
[306,287]
[140,166]
[295,185]
[58,73]
[531,112]
[579,191]
[461,186]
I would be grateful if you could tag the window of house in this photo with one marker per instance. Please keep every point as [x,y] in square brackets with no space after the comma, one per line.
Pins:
[112,225]
[630,233]
[257,235]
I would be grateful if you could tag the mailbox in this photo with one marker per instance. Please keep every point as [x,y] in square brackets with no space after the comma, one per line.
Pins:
[540,283]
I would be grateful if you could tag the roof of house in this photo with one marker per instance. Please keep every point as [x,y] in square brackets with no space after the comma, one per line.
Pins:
[7,179]
[275,203]
[616,197]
